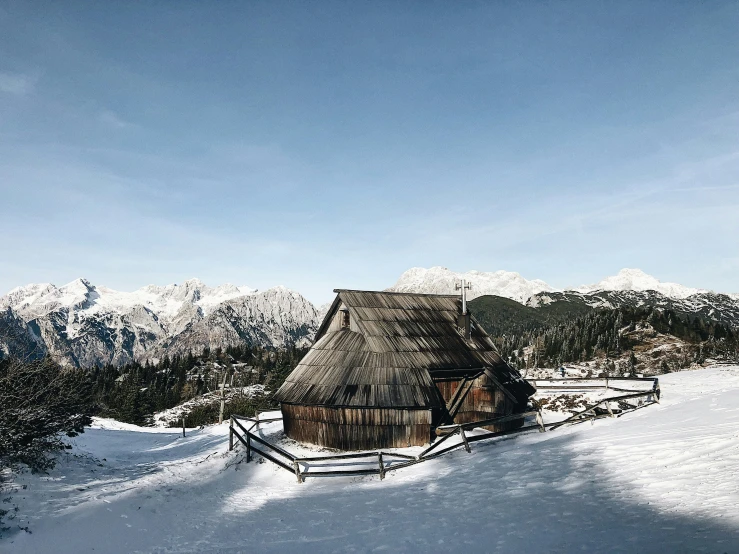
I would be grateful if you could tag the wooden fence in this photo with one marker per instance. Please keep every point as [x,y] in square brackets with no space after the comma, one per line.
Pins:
[386,461]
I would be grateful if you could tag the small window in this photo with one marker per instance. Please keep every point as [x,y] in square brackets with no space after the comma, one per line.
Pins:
[344,319]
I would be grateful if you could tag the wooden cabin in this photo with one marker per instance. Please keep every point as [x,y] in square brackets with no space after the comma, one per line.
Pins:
[387,368]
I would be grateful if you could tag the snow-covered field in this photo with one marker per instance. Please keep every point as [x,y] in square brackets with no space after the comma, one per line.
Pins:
[661,479]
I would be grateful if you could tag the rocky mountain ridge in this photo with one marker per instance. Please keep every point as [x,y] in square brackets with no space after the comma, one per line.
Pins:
[722,308]
[82,324]
[630,287]
[509,284]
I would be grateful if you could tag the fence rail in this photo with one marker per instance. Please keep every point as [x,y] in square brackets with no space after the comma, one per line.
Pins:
[303,467]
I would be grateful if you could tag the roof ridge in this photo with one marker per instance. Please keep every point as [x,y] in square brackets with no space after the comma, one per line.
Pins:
[337,291]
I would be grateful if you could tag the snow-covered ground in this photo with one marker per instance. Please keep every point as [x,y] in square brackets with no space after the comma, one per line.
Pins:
[661,479]
[170,415]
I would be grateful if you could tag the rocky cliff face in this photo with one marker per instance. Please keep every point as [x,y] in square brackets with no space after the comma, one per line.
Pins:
[82,324]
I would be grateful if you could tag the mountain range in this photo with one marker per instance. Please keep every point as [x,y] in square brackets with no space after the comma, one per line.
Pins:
[82,324]
[509,284]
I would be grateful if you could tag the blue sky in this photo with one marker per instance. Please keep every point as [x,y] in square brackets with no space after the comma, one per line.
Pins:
[321,145]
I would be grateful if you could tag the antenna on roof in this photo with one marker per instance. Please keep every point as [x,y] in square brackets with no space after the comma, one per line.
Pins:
[464,286]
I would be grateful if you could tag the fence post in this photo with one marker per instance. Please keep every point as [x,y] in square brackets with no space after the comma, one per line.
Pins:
[297,471]
[382,466]
[183,425]
[231,434]
[248,448]
[464,440]
[540,421]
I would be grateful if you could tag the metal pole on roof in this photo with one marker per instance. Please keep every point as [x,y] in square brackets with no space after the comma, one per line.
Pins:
[464,286]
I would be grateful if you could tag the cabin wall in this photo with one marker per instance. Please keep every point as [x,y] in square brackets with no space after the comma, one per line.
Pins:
[484,401]
[357,428]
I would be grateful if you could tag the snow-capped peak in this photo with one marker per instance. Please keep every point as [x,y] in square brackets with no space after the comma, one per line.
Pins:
[637,280]
[83,324]
[440,280]
[509,284]
[164,301]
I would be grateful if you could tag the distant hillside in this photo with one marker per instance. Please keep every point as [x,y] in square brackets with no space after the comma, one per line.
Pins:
[502,316]
[627,333]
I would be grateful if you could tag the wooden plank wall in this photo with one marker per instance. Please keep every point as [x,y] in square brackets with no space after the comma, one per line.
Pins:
[484,401]
[357,428]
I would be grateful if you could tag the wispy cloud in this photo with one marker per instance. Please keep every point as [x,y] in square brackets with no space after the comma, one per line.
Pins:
[111,119]
[17,83]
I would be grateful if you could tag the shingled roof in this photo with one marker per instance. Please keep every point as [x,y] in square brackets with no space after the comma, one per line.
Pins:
[400,341]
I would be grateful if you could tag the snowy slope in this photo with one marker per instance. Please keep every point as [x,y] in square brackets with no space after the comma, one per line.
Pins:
[83,324]
[662,479]
[637,280]
[440,280]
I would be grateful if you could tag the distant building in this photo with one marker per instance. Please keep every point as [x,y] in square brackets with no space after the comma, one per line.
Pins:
[387,368]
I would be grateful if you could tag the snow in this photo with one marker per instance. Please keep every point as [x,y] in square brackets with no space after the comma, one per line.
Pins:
[440,280]
[84,324]
[637,280]
[165,417]
[163,301]
[661,479]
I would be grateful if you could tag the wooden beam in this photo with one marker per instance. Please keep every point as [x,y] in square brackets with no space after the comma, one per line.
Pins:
[272,459]
[467,385]
[500,385]
[339,457]
[456,394]
[277,449]
[433,446]
[341,472]
[446,429]
[540,421]
[464,440]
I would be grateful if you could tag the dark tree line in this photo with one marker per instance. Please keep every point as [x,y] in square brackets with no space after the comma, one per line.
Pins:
[134,392]
[610,334]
